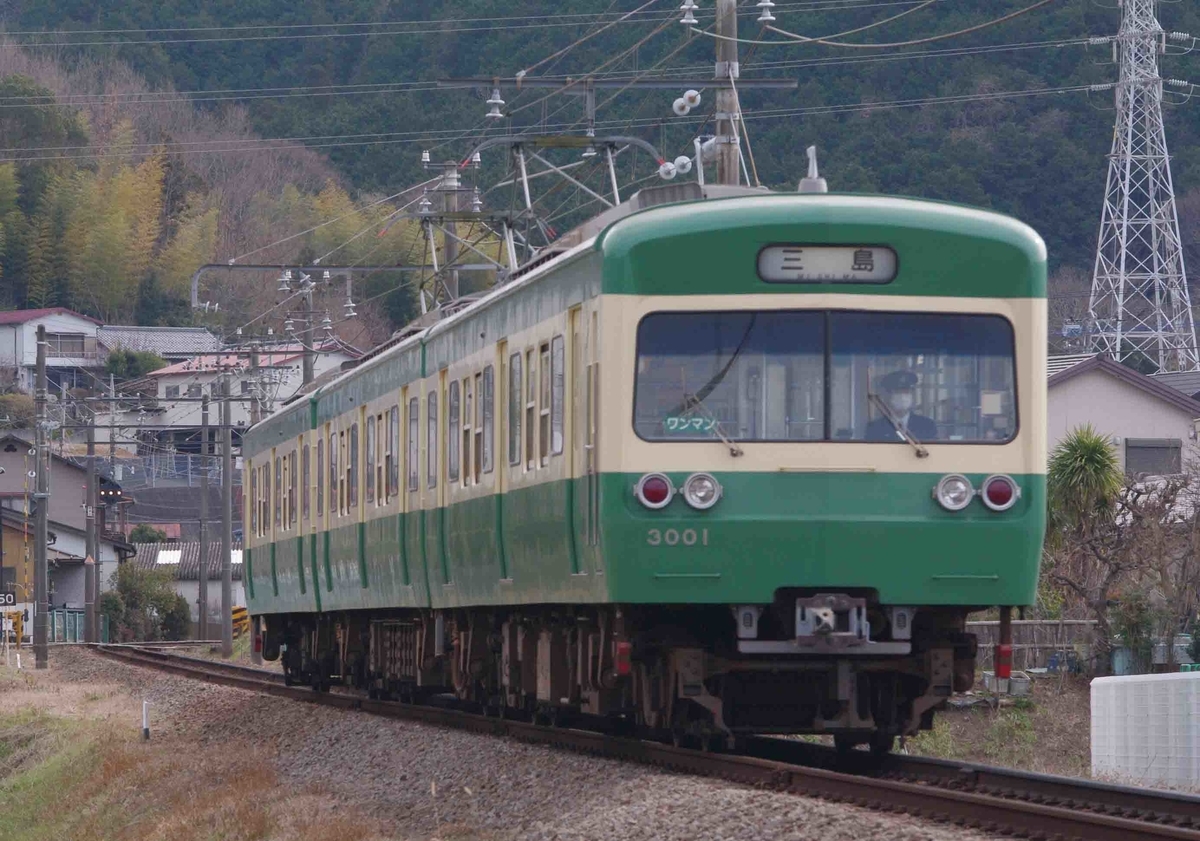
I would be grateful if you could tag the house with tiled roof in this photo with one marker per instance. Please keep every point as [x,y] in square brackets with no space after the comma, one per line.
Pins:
[1152,426]
[174,344]
[181,561]
[72,351]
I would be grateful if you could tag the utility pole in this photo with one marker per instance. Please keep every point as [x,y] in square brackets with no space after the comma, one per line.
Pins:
[112,436]
[1140,309]
[227,523]
[202,631]
[449,190]
[255,400]
[41,578]
[91,572]
[309,343]
[728,150]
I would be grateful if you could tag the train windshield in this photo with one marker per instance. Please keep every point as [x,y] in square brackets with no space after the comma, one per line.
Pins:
[815,375]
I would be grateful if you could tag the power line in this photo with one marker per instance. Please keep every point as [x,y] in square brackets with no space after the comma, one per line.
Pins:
[795,38]
[576,18]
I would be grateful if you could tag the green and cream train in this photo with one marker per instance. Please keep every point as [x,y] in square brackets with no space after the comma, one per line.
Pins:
[724,462]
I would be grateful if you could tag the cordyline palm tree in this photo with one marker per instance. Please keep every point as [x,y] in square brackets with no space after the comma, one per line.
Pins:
[1083,552]
[1083,481]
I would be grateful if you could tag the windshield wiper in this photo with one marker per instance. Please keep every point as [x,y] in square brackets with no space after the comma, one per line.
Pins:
[692,403]
[918,448]
[718,377]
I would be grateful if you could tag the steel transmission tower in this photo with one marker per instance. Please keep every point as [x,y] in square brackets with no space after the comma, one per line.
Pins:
[1140,307]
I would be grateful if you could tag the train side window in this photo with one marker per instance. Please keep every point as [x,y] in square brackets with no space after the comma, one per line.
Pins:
[380,491]
[431,441]
[341,476]
[514,409]
[393,452]
[278,492]
[544,406]
[333,474]
[292,475]
[453,421]
[487,399]
[530,408]
[477,429]
[370,492]
[558,374]
[283,495]
[414,426]
[305,481]
[320,476]
[266,493]
[352,468]
[467,427]
[254,502]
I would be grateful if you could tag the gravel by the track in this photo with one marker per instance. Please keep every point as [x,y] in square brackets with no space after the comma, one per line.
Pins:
[487,788]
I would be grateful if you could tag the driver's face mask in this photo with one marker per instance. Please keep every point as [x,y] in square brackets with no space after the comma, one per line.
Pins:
[900,402]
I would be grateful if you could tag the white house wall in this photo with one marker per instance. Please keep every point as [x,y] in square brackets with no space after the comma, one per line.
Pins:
[1117,409]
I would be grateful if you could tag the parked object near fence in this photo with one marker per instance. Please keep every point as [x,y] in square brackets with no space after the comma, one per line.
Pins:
[1146,729]
[1128,662]
[1050,644]
[1018,685]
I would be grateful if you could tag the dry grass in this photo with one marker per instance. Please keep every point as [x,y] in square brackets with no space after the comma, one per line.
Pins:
[83,780]
[1049,732]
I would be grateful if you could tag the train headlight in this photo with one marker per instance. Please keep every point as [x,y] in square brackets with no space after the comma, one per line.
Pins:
[654,490]
[1000,492]
[954,492]
[701,491]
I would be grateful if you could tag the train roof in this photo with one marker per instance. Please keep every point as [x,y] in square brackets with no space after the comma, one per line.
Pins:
[658,225]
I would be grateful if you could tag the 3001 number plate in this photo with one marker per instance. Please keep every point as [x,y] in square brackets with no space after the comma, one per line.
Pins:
[677,537]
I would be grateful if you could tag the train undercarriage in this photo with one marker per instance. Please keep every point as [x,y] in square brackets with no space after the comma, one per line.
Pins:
[825,663]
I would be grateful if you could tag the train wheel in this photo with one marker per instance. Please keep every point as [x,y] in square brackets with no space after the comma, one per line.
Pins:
[845,743]
[882,743]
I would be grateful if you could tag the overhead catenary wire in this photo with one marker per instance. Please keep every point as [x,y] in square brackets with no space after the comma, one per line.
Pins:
[767,114]
[566,19]
[354,212]
[795,38]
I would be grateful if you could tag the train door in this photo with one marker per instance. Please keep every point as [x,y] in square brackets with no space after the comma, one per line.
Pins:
[582,444]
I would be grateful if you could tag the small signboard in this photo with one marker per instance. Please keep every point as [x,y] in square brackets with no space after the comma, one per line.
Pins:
[827,264]
[8,599]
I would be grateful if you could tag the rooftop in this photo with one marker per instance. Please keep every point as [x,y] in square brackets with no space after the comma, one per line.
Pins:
[23,316]
[239,359]
[182,560]
[165,341]
[1150,385]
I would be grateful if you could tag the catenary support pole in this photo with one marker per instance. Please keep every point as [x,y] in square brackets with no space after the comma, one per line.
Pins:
[449,189]
[202,601]
[90,570]
[310,339]
[41,581]
[227,522]
[728,153]
[255,399]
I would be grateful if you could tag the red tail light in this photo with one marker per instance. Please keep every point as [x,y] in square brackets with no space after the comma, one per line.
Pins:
[1000,492]
[654,490]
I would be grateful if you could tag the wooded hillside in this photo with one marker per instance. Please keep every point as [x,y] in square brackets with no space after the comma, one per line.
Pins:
[1039,156]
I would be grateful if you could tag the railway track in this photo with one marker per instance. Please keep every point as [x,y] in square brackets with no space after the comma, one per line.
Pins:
[1036,806]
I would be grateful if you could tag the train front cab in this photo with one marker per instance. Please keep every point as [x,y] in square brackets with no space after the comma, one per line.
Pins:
[813,487]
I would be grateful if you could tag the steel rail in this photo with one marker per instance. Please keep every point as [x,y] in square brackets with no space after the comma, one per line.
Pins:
[989,812]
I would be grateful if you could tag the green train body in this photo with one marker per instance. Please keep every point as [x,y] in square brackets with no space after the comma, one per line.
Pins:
[516,563]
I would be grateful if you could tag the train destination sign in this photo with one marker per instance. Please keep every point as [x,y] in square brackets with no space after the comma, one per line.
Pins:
[826,264]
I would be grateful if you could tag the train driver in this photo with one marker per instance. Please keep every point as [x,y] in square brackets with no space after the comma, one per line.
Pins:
[898,390]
